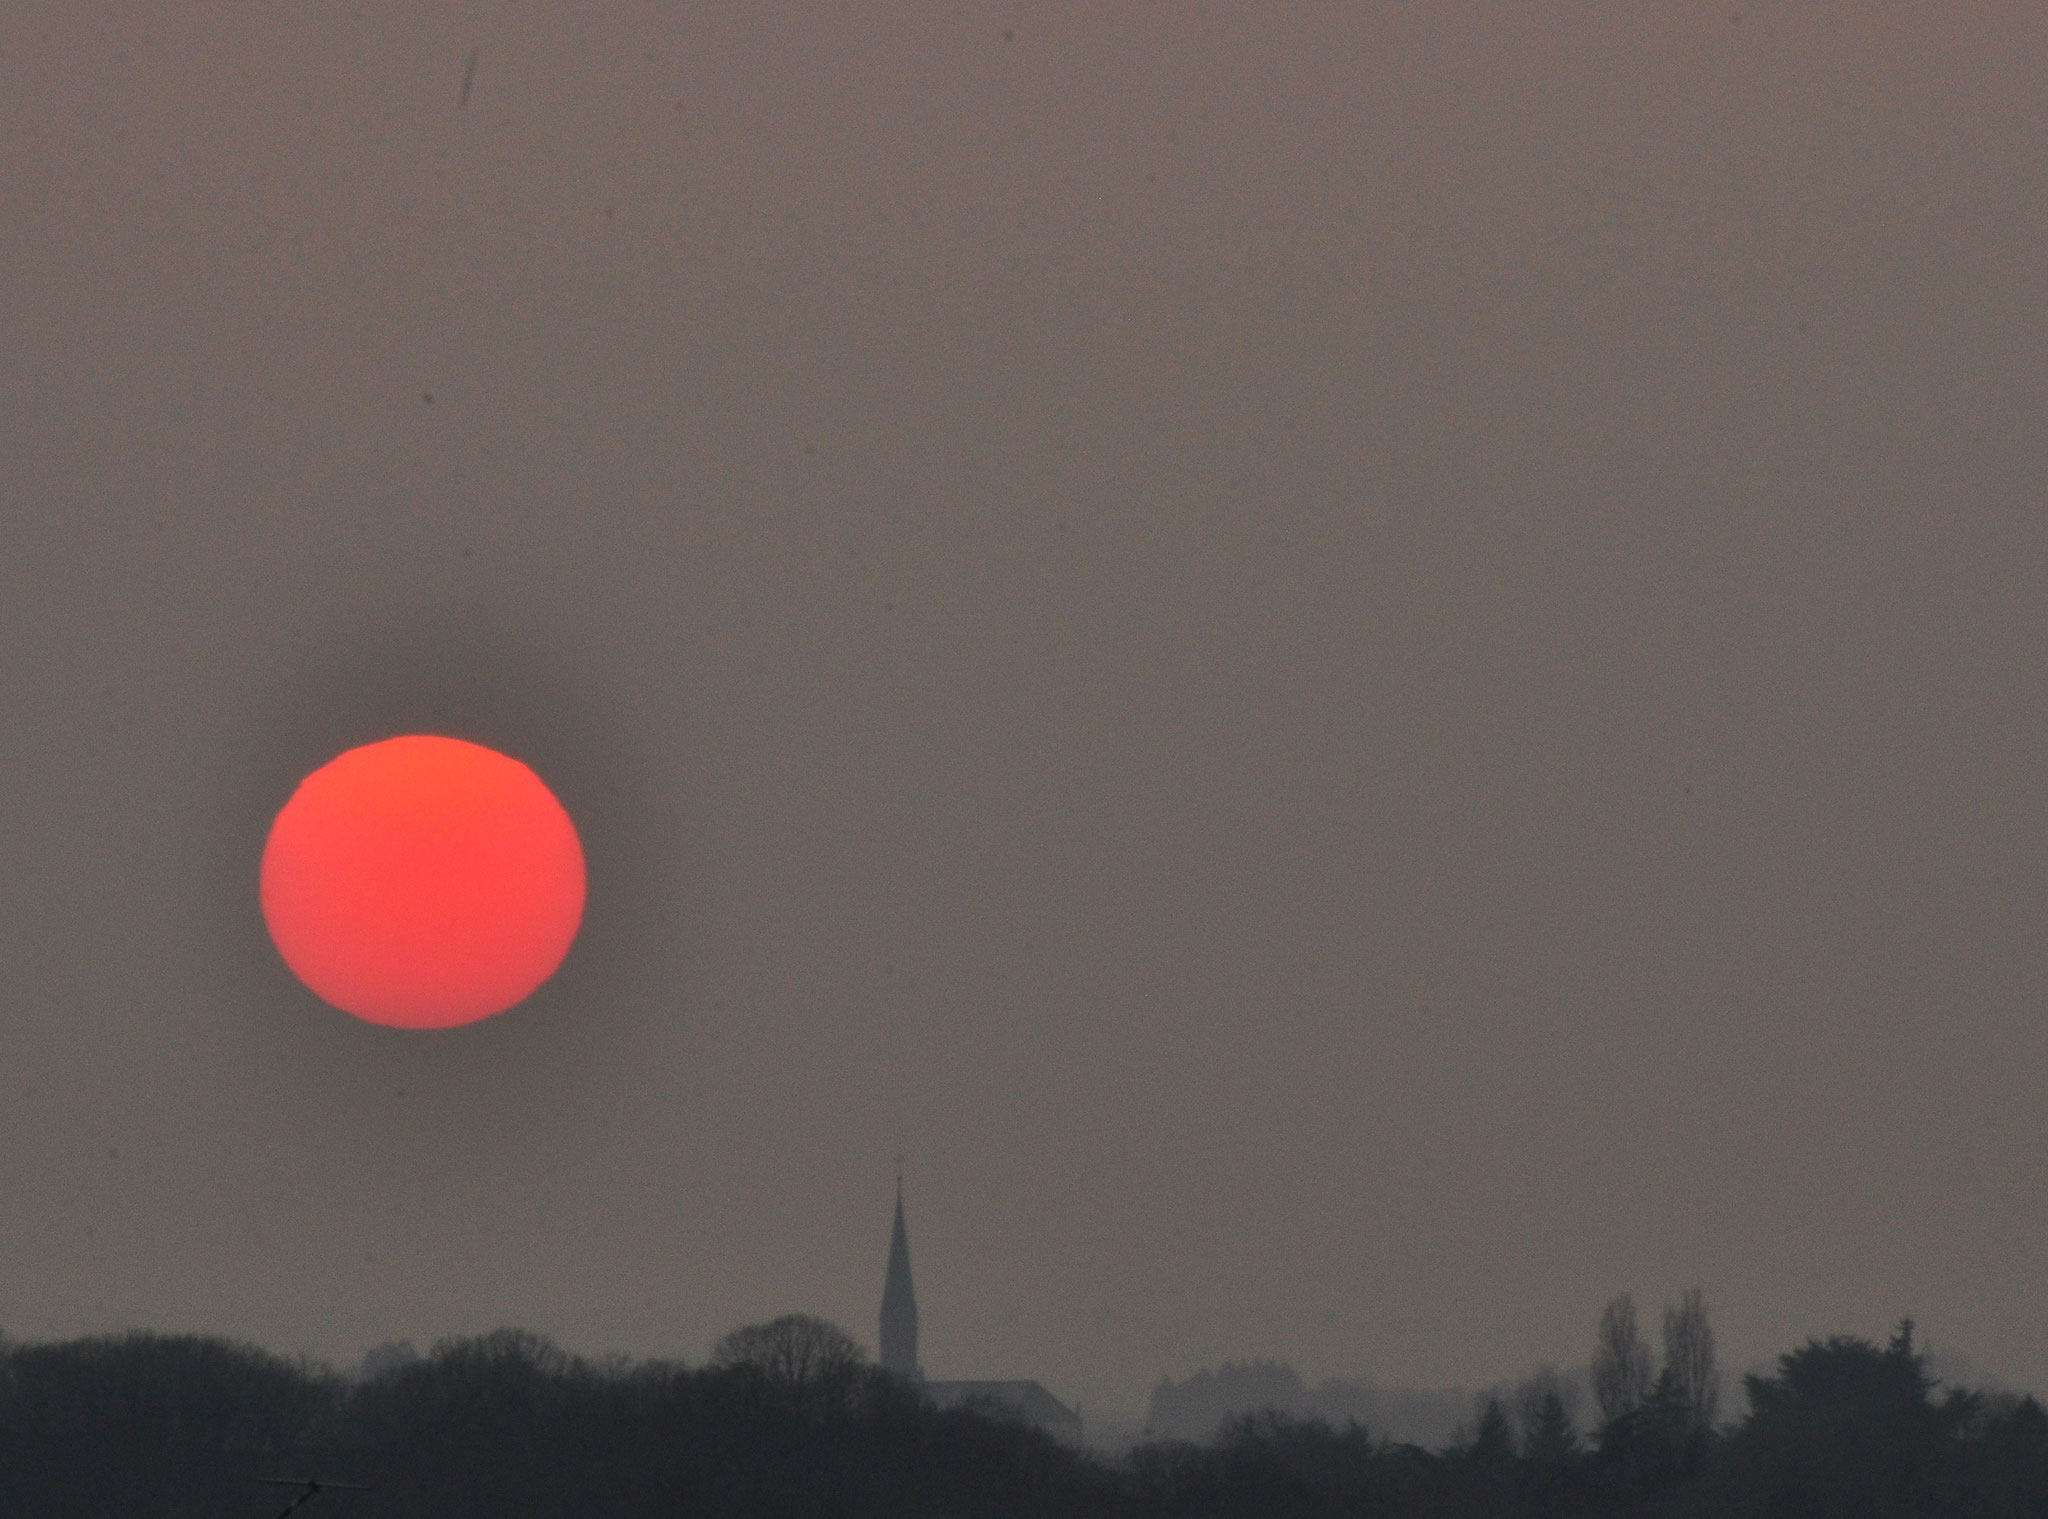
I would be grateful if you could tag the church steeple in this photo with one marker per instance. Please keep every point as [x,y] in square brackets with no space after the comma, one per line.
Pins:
[899,1302]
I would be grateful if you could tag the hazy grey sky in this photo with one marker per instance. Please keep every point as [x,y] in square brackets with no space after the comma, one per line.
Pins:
[1365,671]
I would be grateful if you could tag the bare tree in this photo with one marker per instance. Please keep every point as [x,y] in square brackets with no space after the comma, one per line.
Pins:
[1689,1361]
[1621,1361]
[796,1351]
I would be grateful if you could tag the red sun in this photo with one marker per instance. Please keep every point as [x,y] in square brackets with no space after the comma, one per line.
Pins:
[423,882]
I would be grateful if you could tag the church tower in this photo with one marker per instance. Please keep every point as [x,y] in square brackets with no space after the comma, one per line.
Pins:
[899,1303]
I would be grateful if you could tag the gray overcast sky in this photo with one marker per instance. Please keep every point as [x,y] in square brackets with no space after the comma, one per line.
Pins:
[1365,671]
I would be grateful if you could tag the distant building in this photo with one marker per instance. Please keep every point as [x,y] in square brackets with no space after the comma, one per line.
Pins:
[1024,1400]
[1017,1398]
[899,1303]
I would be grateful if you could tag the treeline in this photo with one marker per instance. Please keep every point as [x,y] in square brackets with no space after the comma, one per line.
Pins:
[1196,1407]
[789,1419]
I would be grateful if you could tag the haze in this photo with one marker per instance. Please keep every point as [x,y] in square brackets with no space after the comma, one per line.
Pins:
[1364,672]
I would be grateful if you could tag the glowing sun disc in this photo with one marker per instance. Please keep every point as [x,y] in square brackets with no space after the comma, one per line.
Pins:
[423,882]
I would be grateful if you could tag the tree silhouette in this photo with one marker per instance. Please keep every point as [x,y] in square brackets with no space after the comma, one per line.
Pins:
[171,1425]
[1543,1417]
[796,1352]
[1493,1442]
[1689,1361]
[1847,1429]
[793,1423]
[1621,1361]
[2006,1463]
[1548,1437]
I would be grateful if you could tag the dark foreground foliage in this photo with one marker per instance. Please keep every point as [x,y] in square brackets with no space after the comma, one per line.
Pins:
[508,1426]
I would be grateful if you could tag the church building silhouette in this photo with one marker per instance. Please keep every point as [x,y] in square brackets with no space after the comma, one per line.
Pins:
[1018,1399]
